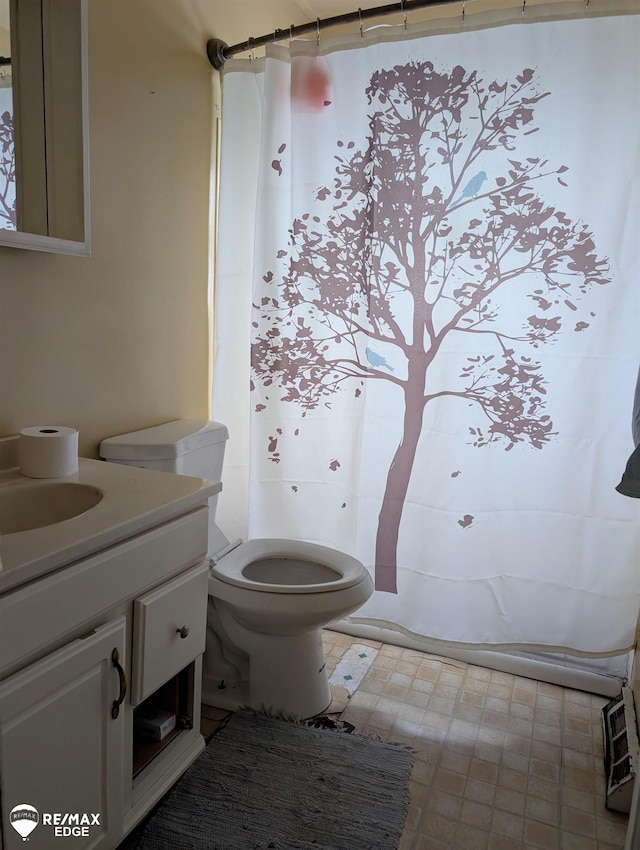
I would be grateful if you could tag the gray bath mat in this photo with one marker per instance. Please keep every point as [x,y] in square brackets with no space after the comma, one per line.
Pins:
[263,783]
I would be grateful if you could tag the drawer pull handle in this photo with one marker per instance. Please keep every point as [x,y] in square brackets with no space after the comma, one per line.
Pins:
[183,632]
[115,660]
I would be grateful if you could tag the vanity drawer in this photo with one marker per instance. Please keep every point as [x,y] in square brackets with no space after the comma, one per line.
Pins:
[169,630]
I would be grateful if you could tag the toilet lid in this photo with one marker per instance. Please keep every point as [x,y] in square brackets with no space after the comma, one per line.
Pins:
[288,566]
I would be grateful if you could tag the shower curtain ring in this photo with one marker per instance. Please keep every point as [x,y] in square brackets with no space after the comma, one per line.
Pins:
[318,31]
[360,17]
[524,3]
[404,14]
[463,5]
[250,47]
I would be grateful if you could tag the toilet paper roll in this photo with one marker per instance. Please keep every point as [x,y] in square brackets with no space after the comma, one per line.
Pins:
[48,451]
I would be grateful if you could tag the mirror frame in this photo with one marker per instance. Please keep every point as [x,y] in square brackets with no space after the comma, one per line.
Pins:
[41,242]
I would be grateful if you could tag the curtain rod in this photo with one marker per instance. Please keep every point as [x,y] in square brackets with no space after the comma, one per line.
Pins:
[218,51]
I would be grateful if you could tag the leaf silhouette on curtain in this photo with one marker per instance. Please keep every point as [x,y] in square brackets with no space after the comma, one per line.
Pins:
[424,226]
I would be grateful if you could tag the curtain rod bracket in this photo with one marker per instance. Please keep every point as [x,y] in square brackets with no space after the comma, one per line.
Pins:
[215,52]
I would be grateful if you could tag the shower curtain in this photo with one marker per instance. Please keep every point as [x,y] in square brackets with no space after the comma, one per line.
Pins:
[427,316]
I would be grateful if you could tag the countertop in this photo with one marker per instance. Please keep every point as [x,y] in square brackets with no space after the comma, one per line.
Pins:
[135,500]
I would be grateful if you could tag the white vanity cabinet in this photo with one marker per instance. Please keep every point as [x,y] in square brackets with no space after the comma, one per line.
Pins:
[87,653]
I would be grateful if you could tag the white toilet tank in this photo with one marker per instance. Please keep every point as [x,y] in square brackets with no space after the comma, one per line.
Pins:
[184,446]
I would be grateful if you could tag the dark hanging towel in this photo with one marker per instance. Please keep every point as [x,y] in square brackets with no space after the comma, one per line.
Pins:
[630,483]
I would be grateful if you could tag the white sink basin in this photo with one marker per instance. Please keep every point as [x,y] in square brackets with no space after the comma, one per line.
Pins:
[48,523]
[29,506]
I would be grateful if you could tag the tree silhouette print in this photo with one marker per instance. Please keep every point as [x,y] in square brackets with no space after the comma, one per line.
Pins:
[430,227]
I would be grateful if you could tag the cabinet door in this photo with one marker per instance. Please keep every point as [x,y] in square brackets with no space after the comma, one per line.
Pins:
[61,750]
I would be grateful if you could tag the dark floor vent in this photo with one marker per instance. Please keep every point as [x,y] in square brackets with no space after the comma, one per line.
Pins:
[620,750]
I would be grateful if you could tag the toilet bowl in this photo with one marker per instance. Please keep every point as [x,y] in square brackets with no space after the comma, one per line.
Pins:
[268,598]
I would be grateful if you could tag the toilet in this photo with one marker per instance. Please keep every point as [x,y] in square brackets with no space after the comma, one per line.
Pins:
[268,598]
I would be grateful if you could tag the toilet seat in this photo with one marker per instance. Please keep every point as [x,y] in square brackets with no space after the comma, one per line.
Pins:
[331,570]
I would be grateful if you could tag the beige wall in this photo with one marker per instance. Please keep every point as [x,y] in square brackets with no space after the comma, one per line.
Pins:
[120,340]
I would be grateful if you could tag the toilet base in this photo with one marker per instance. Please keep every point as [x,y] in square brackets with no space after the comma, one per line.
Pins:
[229,696]
[287,676]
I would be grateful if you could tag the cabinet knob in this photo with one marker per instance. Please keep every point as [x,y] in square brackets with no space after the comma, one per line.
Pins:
[183,631]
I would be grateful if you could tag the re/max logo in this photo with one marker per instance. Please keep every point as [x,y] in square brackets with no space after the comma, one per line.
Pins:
[24,818]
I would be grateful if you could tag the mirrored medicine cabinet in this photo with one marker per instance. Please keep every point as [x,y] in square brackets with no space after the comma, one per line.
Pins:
[44,179]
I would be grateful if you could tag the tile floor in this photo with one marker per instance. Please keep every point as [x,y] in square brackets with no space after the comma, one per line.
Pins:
[501,762]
